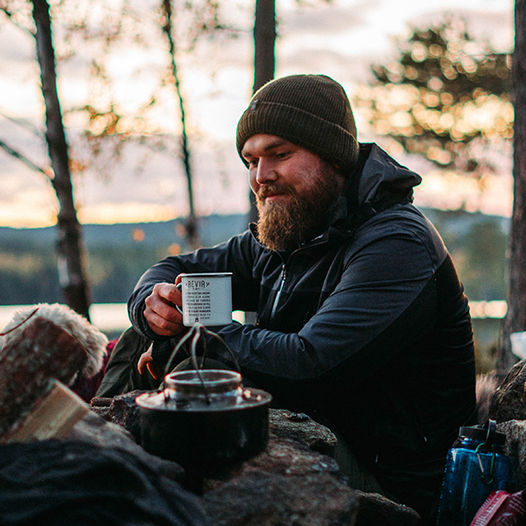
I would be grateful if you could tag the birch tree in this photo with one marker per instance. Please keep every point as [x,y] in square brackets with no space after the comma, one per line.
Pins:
[70,250]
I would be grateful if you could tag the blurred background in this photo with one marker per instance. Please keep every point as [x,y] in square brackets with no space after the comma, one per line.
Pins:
[149,94]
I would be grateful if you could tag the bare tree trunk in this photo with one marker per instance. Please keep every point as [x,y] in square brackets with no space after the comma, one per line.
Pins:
[264,42]
[70,251]
[264,58]
[516,317]
[192,232]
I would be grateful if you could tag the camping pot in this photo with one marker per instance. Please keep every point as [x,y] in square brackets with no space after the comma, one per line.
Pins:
[204,419]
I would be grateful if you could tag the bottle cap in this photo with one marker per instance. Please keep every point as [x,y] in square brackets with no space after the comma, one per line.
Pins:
[484,433]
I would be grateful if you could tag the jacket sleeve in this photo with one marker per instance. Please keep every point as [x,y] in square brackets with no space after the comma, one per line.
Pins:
[235,255]
[385,299]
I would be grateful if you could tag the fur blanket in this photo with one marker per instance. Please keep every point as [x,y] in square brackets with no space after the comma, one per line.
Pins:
[92,340]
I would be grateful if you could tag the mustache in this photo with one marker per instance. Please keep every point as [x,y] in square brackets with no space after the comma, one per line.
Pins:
[272,188]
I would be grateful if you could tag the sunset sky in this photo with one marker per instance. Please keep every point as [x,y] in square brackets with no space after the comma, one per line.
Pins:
[341,39]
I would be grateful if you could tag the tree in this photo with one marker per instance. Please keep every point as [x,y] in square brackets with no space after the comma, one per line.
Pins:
[109,127]
[264,59]
[105,127]
[191,221]
[264,42]
[448,98]
[445,97]
[70,251]
[516,316]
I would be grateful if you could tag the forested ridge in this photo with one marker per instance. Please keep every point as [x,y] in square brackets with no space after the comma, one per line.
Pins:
[118,254]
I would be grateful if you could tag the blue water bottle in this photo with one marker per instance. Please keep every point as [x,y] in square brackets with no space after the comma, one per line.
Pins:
[475,466]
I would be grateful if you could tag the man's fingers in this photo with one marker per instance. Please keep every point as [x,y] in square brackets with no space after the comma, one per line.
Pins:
[160,324]
[169,292]
[160,312]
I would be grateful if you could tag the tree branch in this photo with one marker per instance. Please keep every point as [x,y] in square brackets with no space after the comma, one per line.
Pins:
[21,157]
[23,124]
[9,15]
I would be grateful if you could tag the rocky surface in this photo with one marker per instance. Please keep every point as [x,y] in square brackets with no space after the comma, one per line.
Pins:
[121,410]
[294,481]
[302,429]
[375,509]
[508,402]
[515,448]
[261,498]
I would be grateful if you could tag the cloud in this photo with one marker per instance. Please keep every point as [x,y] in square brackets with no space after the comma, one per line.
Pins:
[328,19]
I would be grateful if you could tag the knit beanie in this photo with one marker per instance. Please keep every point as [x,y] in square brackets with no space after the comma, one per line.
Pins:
[312,111]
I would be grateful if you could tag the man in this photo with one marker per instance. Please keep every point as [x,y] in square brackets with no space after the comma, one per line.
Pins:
[361,319]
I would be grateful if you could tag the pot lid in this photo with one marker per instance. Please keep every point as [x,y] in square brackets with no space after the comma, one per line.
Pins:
[206,390]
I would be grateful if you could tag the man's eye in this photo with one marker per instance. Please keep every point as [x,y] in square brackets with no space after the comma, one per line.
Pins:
[252,163]
[282,155]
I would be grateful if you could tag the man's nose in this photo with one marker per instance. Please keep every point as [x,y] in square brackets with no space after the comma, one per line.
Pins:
[265,172]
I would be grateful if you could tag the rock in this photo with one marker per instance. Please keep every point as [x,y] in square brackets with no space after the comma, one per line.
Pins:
[508,402]
[285,456]
[375,509]
[121,410]
[258,498]
[294,481]
[299,427]
[290,483]
[515,448]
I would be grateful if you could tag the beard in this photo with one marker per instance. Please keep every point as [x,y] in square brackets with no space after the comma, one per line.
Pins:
[285,225]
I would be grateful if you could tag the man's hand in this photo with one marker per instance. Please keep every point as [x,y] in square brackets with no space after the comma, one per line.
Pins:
[160,312]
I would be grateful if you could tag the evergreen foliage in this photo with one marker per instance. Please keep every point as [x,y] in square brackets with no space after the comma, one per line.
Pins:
[445,97]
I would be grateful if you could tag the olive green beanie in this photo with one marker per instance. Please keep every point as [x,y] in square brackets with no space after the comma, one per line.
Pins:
[312,111]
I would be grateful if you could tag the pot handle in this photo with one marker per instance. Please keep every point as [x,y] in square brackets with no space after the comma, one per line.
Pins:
[195,333]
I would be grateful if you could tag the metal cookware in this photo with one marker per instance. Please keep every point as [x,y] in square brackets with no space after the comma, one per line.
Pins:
[204,419]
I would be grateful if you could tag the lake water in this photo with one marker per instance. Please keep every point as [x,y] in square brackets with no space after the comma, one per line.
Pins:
[110,318]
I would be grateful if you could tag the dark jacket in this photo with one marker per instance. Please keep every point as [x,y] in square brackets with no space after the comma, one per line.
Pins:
[365,327]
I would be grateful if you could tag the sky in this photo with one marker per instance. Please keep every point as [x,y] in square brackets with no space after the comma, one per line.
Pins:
[341,38]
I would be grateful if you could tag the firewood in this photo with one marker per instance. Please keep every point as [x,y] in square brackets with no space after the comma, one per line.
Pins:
[52,416]
[42,352]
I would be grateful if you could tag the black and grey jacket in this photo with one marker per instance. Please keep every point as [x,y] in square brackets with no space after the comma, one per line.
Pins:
[366,326]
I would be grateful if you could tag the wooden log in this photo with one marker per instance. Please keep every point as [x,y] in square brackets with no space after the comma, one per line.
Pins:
[52,416]
[28,364]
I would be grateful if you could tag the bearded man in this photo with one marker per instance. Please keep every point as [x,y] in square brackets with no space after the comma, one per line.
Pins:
[361,320]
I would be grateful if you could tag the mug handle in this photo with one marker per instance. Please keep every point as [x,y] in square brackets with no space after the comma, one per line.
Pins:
[178,286]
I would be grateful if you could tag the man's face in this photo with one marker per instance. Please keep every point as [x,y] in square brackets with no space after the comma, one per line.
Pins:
[295,190]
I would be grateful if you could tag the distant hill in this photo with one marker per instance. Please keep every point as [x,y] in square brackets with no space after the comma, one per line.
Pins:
[216,228]
[118,254]
[213,229]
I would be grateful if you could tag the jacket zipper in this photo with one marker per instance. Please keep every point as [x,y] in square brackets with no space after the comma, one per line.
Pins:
[278,294]
[284,275]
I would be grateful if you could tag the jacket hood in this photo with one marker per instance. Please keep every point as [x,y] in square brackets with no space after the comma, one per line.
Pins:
[382,178]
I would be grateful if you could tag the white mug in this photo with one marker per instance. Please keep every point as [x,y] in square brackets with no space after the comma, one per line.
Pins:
[206,298]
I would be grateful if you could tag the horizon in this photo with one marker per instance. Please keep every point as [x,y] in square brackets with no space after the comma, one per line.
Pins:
[226,214]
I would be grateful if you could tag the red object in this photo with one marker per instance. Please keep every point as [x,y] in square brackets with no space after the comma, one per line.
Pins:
[501,509]
[87,387]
